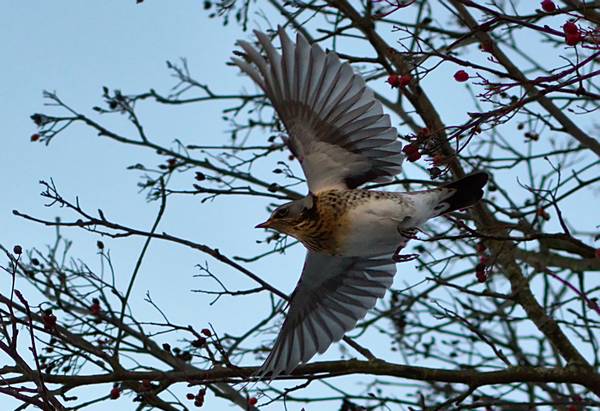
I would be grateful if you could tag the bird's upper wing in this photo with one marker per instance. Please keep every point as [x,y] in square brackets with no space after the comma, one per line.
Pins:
[332,295]
[336,125]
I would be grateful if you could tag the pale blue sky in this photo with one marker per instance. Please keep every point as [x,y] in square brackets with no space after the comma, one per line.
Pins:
[75,48]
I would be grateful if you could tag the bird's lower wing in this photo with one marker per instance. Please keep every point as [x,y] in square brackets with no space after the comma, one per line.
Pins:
[332,295]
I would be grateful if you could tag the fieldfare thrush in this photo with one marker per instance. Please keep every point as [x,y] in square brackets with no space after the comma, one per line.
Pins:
[337,130]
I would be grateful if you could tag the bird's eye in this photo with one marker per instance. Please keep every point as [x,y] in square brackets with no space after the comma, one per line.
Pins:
[281,213]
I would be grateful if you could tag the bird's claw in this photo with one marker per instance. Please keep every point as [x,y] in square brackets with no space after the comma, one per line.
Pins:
[410,233]
[402,258]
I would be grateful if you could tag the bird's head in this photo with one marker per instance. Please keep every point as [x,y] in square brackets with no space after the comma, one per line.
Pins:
[286,218]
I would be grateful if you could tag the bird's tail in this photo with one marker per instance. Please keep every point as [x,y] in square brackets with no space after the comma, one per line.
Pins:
[462,193]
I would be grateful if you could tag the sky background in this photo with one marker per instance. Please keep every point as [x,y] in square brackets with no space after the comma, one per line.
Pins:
[75,48]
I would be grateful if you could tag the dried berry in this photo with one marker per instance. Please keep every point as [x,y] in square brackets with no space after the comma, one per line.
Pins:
[543,214]
[95,307]
[199,343]
[115,393]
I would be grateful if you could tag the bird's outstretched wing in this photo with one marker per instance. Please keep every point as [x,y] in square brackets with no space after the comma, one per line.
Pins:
[332,295]
[336,125]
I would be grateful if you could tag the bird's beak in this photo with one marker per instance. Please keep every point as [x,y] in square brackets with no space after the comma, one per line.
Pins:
[266,224]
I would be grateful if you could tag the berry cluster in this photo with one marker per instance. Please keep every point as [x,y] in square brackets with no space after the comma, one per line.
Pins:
[396,81]
[115,392]
[484,260]
[197,398]
[95,307]
[572,33]
[412,152]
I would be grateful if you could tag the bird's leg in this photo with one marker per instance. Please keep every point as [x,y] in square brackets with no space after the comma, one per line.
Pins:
[408,234]
[402,258]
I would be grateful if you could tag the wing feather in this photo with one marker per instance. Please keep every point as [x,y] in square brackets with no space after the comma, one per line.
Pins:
[333,294]
[336,126]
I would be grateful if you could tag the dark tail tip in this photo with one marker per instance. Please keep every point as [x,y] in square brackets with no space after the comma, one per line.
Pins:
[469,190]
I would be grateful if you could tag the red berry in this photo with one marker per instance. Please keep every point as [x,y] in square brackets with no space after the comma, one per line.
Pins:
[200,176]
[573,38]
[252,401]
[597,253]
[461,76]
[410,148]
[115,393]
[570,28]
[548,6]
[190,396]
[405,79]
[49,321]
[95,308]
[206,332]
[18,249]
[199,343]
[543,214]
[481,248]
[35,137]
[487,46]
[480,273]
[413,156]
[393,80]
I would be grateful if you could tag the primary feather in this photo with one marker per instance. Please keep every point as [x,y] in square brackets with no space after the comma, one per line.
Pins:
[336,126]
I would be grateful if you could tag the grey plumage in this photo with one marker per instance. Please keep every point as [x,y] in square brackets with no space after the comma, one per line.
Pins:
[337,128]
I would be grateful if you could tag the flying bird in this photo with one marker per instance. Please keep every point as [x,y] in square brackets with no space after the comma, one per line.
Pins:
[339,133]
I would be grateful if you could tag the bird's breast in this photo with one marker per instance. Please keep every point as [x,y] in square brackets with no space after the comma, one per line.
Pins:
[374,226]
[354,223]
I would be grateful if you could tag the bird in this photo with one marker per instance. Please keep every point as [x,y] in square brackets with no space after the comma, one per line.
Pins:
[353,236]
